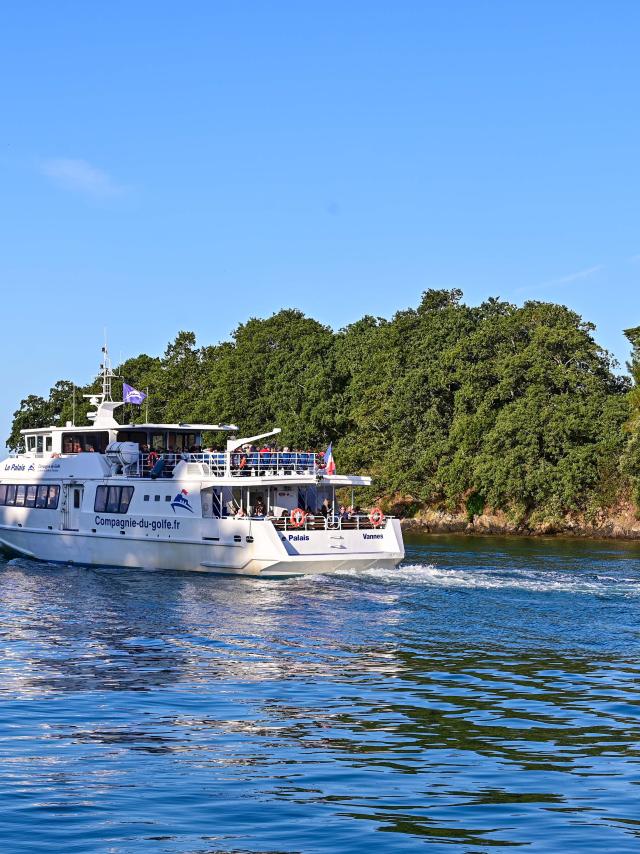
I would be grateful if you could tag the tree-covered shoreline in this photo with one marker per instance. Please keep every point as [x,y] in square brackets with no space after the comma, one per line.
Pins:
[449,406]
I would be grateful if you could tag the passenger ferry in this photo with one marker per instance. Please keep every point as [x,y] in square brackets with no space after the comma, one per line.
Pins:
[140,496]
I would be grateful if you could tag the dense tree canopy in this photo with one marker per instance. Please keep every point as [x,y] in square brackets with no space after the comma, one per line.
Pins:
[446,404]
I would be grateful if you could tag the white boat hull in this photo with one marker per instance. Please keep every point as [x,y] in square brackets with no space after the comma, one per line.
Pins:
[269,554]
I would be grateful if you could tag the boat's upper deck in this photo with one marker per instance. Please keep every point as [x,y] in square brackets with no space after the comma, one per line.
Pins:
[223,464]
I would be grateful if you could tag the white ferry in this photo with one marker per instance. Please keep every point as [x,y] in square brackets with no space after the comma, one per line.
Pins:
[148,496]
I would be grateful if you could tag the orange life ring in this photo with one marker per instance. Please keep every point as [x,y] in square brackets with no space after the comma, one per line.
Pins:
[243,461]
[376,517]
[152,459]
[298,517]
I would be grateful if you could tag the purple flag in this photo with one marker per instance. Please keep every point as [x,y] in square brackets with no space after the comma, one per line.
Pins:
[132,395]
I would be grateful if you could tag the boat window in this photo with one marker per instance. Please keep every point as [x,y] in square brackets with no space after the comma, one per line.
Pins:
[76,499]
[113,499]
[48,443]
[75,443]
[157,441]
[39,444]
[37,495]
[138,436]
[31,443]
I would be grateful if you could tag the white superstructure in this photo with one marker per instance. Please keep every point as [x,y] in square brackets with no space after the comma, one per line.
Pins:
[147,495]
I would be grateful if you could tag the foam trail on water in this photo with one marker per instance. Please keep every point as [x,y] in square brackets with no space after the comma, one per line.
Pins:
[535,581]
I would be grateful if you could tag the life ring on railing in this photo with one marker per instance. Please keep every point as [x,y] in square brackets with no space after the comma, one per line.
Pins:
[298,517]
[376,517]
[152,459]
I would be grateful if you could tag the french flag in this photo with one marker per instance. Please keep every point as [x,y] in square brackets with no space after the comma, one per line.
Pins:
[329,462]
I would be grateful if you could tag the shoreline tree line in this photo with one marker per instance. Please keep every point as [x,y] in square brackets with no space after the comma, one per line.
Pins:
[447,405]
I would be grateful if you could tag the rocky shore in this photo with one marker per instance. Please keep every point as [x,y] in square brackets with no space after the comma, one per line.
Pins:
[620,523]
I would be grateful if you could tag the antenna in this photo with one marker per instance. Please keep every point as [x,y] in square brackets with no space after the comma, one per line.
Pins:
[107,373]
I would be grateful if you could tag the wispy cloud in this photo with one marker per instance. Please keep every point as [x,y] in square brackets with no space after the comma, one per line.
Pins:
[79,176]
[572,277]
[564,280]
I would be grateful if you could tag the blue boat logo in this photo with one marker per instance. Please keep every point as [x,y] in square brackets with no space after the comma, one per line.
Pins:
[181,501]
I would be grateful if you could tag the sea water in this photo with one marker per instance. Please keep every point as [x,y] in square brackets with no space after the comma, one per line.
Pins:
[485,694]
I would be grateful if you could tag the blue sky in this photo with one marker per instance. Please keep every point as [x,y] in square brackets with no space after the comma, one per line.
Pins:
[185,166]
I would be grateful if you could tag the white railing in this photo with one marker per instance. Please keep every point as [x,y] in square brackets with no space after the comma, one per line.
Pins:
[318,522]
[237,464]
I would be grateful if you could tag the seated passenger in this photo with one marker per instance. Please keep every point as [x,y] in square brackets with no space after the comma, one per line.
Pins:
[259,509]
[240,514]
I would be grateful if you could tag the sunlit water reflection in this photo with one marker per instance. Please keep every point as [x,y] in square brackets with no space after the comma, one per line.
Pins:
[485,694]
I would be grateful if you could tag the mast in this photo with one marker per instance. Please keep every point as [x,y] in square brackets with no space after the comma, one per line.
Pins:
[107,373]
[104,405]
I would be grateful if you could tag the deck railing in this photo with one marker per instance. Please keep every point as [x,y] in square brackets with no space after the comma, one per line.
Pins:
[219,464]
[318,522]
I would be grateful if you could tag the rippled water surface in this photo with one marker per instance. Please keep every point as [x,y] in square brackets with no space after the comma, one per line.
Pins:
[484,695]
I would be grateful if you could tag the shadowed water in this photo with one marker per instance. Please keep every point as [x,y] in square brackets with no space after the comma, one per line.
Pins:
[485,695]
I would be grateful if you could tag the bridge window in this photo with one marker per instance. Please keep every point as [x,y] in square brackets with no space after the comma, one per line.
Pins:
[113,499]
[76,443]
[30,500]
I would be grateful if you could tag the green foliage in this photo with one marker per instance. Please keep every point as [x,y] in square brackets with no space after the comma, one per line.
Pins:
[630,462]
[474,505]
[446,404]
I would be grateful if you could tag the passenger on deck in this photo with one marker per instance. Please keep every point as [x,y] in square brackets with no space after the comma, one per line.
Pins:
[344,513]
[259,509]
[326,508]
[240,514]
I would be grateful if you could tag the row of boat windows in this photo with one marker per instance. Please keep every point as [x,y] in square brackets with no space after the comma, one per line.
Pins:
[38,444]
[113,499]
[38,495]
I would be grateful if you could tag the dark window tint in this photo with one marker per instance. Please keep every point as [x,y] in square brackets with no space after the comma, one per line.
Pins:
[113,499]
[125,498]
[76,499]
[75,443]
[100,504]
[37,495]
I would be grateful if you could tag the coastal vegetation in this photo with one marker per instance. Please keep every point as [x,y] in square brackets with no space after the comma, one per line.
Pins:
[449,406]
